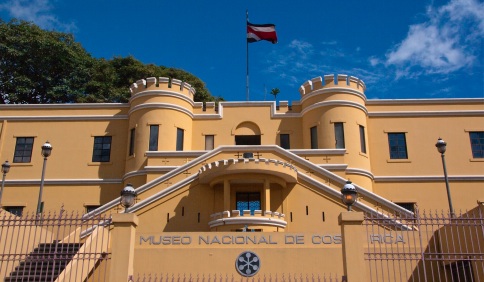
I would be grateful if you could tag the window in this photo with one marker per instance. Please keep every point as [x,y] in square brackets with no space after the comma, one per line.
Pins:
[398,146]
[179,139]
[102,149]
[314,137]
[284,141]
[90,208]
[362,139]
[154,131]
[407,206]
[209,142]
[477,144]
[248,201]
[339,135]
[461,271]
[23,150]
[16,210]
[131,141]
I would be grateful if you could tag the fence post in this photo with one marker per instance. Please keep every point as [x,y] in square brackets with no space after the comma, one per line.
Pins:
[122,246]
[352,232]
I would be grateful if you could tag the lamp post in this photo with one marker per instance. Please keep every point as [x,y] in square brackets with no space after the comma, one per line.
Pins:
[128,194]
[46,151]
[350,195]
[442,147]
[5,170]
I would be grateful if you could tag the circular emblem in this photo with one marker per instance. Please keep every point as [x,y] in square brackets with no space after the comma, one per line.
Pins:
[247,264]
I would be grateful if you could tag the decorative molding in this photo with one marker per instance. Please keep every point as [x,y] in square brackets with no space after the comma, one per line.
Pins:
[65,118]
[426,113]
[451,101]
[428,178]
[64,181]
[360,172]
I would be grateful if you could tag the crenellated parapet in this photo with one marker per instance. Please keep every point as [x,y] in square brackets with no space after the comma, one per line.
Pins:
[331,81]
[162,84]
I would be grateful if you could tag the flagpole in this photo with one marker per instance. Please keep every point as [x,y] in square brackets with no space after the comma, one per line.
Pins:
[247,55]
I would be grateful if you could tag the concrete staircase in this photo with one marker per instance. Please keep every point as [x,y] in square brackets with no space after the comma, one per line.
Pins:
[45,262]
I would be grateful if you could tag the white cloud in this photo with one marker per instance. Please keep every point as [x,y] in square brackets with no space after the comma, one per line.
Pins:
[38,12]
[444,43]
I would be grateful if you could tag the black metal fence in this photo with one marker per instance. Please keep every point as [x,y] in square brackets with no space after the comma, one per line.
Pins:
[429,246]
[53,247]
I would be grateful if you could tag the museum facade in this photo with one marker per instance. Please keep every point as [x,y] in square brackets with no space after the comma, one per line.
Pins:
[253,189]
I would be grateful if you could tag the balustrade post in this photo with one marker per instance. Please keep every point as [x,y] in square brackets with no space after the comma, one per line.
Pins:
[353,234]
[122,246]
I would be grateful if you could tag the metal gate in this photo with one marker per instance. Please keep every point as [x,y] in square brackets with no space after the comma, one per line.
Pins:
[429,246]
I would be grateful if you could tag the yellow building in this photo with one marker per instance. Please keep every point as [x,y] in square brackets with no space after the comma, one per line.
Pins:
[204,171]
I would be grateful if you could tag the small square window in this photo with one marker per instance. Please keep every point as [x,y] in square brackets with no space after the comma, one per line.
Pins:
[16,210]
[477,144]
[102,149]
[407,206]
[398,146]
[90,208]
[23,150]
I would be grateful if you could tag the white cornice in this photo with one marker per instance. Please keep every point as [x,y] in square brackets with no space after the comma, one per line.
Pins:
[334,103]
[338,90]
[64,181]
[360,172]
[160,106]
[162,93]
[318,151]
[424,101]
[248,220]
[65,118]
[428,178]
[426,113]
[65,106]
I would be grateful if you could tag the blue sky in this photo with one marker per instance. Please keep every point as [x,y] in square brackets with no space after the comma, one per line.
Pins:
[400,49]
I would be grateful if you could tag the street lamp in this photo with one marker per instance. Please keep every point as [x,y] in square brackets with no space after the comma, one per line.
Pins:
[350,195]
[128,194]
[441,147]
[46,151]
[5,170]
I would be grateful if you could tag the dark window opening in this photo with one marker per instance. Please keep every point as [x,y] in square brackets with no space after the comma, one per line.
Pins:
[462,271]
[154,133]
[284,141]
[407,206]
[179,139]
[247,140]
[307,210]
[90,208]
[23,150]
[131,141]
[15,210]
[314,137]
[102,149]
[477,144]
[248,201]
[398,146]
[362,139]
[339,134]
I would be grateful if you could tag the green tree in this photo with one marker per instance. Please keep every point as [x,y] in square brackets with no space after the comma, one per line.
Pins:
[274,92]
[38,66]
